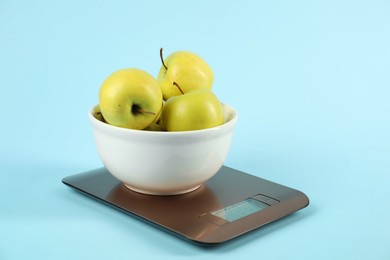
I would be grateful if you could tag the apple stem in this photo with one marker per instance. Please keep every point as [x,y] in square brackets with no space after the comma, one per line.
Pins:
[136,109]
[146,112]
[177,85]
[162,59]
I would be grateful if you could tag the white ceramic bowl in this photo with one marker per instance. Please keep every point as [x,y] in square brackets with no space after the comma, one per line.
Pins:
[163,163]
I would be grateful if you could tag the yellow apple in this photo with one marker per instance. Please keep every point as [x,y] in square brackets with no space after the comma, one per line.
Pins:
[130,98]
[155,127]
[195,110]
[98,114]
[187,70]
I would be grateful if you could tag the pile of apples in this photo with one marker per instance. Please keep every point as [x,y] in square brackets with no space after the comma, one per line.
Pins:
[180,99]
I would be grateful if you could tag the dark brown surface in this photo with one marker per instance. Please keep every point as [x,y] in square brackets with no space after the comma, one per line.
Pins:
[189,215]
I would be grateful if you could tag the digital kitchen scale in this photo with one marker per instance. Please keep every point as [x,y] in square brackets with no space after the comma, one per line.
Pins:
[228,205]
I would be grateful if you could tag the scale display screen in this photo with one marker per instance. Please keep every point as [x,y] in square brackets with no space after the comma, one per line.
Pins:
[240,210]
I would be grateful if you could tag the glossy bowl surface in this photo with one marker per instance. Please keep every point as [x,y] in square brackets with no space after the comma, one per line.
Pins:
[160,162]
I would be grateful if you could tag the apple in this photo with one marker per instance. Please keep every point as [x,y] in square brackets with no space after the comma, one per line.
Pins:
[185,68]
[97,113]
[155,127]
[195,110]
[130,98]
[157,124]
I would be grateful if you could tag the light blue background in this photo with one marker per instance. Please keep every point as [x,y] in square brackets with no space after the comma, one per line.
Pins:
[310,80]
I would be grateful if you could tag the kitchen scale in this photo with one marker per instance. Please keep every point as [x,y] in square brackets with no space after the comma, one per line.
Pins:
[228,205]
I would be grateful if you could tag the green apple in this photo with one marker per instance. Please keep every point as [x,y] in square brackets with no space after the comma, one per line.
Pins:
[195,110]
[130,98]
[185,68]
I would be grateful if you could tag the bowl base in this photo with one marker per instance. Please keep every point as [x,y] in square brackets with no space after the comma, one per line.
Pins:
[147,192]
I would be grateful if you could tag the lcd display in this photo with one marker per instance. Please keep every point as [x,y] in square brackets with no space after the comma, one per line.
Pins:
[240,210]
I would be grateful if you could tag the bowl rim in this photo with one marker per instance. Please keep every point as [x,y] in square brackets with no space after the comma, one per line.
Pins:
[225,125]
